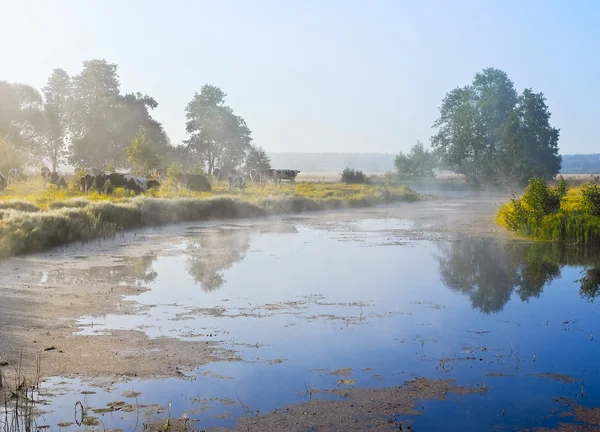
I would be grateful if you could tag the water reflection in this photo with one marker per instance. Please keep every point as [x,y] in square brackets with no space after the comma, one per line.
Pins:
[213,250]
[489,271]
[590,283]
[128,270]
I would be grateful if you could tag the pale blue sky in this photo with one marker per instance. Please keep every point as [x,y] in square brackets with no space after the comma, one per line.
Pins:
[319,75]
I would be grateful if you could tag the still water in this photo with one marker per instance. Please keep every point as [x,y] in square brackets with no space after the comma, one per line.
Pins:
[307,303]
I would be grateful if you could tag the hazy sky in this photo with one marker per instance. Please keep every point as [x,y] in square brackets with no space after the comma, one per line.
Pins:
[319,75]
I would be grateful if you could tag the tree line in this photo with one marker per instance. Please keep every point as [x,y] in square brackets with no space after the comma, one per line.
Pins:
[489,133]
[86,121]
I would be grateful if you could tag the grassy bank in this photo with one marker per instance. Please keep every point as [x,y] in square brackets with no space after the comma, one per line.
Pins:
[556,214]
[32,222]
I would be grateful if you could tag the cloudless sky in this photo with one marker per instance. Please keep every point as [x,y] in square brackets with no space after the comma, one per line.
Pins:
[319,75]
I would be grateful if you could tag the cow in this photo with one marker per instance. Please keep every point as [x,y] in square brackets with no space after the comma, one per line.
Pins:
[268,174]
[87,181]
[195,182]
[14,176]
[3,183]
[236,181]
[127,181]
[216,174]
[254,176]
[53,178]
[286,175]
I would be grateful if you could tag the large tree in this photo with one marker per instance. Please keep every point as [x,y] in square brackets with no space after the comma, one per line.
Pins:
[493,136]
[21,118]
[57,116]
[257,158]
[217,135]
[105,122]
[96,94]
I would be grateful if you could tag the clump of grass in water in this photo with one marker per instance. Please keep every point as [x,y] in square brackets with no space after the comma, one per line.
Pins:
[569,216]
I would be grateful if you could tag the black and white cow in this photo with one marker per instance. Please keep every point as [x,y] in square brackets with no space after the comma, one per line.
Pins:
[195,182]
[87,181]
[14,176]
[126,181]
[3,183]
[53,178]
[286,175]
[236,181]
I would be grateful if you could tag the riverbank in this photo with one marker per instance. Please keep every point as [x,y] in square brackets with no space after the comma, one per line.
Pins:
[35,222]
[556,214]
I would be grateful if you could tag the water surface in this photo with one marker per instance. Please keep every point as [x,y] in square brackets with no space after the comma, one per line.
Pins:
[309,303]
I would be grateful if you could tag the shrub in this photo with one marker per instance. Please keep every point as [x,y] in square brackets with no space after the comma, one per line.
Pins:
[591,199]
[563,186]
[352,176]
[538,201]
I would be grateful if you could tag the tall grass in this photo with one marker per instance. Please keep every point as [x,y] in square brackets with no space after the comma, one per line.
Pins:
[36,222]
[555,214]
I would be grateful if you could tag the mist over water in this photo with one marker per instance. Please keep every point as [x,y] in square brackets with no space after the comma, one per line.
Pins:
[299,299]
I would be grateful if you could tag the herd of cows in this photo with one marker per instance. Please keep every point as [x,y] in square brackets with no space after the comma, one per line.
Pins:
[103,182]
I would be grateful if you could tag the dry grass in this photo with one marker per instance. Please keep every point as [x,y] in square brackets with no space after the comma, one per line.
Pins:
[32,219]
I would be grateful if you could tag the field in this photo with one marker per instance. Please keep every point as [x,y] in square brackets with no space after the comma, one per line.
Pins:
[32,219]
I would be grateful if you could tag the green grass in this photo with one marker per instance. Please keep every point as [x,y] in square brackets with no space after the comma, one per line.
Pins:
[571,222]
[32,220]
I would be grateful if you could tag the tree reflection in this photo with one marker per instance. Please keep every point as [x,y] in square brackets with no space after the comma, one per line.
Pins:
[215,249]
[131,270]
[489,271]
[590,284]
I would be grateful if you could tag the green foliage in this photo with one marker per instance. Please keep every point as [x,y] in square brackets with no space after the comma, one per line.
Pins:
[257,159]
[173,171]
[563,186]
[217,135]
[141,157]
[11,157]
[352,176]
[541,213]
[591,199]
[21,118]
[57,116]
[494,136]
[419,162]
[538,201]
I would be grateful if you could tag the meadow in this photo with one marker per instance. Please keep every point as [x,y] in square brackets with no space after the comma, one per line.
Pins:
[33,219]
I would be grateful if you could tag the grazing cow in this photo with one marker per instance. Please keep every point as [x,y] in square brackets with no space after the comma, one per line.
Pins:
[254,175]
[268,174]
[286,175]
[195,182]
[3,183]
[14,176]
[53,178]
[87,181]
[127,181]
[216,174]
[236,181]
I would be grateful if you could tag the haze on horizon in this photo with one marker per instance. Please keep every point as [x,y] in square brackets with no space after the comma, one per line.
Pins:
[313,76]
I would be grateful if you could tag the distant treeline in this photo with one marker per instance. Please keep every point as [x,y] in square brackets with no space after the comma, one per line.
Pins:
[334,162]
[581,164]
